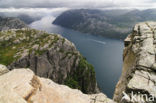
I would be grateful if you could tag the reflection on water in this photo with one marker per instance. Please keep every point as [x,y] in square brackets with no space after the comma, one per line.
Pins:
[105,54]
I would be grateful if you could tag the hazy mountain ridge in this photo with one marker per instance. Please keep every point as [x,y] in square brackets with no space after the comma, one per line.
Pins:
[24,17]
[11,23]
[105,23]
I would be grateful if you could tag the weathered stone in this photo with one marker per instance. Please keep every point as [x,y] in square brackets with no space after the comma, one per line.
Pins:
[141,81]
[127,41]
[3,69]
[7,95]
[23,86]
[153,66]
[138,75]
[100,98]
[145,59]
[35,47]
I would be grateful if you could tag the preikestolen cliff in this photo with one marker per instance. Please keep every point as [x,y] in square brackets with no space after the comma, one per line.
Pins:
[31,56]
[55,51]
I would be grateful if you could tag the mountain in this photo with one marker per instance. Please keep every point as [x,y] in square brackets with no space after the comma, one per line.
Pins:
[137,82]
[21,85]
[28,19]
[25,17]
[11,23]
[108,23]
[48,55]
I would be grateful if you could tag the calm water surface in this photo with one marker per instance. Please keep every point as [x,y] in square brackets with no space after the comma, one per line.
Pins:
[103,53]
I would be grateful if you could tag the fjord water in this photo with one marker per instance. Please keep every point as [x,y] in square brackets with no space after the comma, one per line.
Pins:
[103,53]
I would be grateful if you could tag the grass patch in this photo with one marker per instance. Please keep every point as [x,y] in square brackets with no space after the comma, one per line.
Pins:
[72,83]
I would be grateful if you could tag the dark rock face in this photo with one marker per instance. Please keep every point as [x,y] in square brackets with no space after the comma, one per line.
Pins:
[138,75]
[11,23]
[113,24]
[95,22]
[48,55]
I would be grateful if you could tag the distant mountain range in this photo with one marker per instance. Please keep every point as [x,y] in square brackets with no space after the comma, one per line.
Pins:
[108,23]
[27,18]
[11,23]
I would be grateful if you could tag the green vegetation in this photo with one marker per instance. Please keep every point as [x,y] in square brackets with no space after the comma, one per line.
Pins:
[67,54]
[13,43]
[63,40]
[72,83]
[6,55]
[83,64]
[82,77]
[56,38]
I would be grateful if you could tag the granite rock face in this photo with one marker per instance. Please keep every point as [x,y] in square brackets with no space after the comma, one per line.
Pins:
[138,80]
[48,55]
[23,86]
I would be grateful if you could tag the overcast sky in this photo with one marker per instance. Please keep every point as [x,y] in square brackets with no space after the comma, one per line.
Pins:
[77,4]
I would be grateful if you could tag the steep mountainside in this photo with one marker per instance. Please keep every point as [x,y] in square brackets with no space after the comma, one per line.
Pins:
[23,16]
[11,23]
[28,19]
[138,81]
[114,24]
[23,86]
[48,55]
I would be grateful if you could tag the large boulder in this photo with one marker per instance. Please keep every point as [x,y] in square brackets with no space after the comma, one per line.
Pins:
[23,86]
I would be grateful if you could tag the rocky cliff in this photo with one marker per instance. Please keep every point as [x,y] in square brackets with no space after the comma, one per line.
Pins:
[23,86]
[11,23]
[48,55]
[138,80]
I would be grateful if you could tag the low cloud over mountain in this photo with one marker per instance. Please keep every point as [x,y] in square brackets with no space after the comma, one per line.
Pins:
[77,4]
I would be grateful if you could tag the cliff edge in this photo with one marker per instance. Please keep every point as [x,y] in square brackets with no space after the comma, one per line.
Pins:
[138,80]
[23,86]
[48,55]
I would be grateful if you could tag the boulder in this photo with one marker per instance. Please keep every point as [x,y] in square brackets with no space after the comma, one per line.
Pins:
[23,86]
[3,69]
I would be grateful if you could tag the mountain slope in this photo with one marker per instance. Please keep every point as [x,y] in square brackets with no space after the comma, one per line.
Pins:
[48,55]
[114,24]
[11,23]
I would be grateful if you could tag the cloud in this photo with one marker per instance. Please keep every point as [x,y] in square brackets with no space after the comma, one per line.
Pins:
[77,3]
[105,4]
[39,12]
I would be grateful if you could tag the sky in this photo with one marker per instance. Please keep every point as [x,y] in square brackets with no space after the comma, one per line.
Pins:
[102,4]
[56,7]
